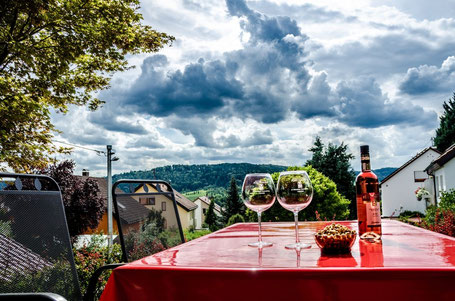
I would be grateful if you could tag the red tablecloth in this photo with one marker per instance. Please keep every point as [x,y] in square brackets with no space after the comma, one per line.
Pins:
[410,264]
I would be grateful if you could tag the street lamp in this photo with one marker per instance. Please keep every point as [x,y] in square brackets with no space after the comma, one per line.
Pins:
[110,227]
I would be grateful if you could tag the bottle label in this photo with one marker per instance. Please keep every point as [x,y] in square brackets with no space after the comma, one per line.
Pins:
[373,213]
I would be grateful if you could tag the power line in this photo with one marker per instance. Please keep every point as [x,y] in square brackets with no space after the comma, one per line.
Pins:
[83,147]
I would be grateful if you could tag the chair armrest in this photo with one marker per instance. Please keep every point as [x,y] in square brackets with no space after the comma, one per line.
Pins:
[90,293]
[32,296]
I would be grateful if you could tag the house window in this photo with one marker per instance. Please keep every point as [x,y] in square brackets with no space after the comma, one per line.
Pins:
[204,210]
[163,206]
[420,176]
[147,201]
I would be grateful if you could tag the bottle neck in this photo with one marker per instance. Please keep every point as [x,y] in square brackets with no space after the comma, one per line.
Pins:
[365,160]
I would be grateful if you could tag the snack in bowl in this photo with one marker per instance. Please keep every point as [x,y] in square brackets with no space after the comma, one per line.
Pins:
[335,239]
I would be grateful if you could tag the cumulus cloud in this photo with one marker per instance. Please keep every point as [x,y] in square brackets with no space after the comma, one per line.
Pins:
[267,80]
[363,104]
[427,79]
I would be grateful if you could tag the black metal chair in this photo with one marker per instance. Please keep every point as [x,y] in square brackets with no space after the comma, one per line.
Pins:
[36,257]
[146,235]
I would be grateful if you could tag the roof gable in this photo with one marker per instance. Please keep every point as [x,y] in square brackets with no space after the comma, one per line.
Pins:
[208,201]
[418,155]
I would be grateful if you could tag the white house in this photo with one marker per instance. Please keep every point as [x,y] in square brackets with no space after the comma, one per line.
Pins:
[442,172]
[398,188]
[203,204]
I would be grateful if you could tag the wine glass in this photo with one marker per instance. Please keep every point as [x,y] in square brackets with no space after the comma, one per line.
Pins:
[294,192]
[258,194]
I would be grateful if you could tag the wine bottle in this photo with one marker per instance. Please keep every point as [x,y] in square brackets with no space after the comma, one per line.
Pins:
[367,195]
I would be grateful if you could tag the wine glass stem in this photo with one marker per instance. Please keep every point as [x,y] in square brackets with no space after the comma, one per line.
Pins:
[259,223]
[296,218]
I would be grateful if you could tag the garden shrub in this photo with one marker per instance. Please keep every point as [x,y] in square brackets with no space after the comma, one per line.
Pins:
[92,256]
[236,218]
[442,218]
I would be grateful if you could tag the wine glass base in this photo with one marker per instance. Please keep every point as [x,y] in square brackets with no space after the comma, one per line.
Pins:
[260,244]
[298,246]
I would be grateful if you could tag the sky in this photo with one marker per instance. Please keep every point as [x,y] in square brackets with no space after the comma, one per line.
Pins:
[258,81]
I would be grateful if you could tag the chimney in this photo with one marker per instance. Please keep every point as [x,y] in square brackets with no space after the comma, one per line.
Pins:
[85,172]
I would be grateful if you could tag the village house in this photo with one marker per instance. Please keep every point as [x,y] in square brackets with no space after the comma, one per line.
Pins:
[203,204]
[132,214]
[163,203]
[398,189]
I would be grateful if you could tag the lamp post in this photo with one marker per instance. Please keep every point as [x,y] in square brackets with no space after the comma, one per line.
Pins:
[110,227]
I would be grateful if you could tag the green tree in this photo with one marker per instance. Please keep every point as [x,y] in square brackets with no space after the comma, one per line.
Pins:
[211,218]
[233,203]
[333,162]
[445,134]
[327,201]
[56,53]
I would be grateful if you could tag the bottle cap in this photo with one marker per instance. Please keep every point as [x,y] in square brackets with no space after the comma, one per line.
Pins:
[364,149]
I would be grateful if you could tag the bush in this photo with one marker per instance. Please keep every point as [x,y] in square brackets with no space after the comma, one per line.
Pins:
[91,257]
[236,218]
[442,219]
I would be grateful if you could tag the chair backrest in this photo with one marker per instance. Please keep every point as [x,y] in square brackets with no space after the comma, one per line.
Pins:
[147,216]
[35,248]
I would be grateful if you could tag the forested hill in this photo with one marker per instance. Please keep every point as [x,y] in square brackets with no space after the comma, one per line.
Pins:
[186,178]
[194,177]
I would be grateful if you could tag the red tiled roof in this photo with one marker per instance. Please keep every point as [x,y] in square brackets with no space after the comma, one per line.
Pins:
[130,210]
[15,258]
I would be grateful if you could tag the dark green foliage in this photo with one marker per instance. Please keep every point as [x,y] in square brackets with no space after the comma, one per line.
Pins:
[445,134]
[83,207]
[236,218]
[334,162]
[186,178]
[327,201]
[210,217]
[233,203]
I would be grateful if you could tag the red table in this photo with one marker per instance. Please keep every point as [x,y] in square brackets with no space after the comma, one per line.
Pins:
[410,264]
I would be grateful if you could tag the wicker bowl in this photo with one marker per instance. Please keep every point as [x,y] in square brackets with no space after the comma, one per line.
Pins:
[335,239]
